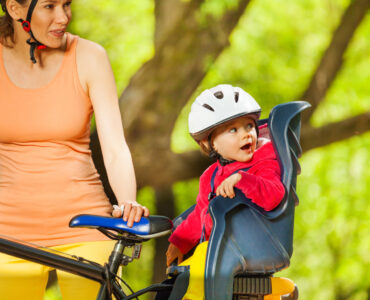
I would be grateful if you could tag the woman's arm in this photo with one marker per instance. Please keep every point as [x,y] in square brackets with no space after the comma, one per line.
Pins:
[97,79]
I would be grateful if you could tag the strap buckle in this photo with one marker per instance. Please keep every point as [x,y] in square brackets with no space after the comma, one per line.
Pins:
[211,195]
[26,25]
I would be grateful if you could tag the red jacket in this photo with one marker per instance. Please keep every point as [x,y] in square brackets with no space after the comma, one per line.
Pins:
[261,183]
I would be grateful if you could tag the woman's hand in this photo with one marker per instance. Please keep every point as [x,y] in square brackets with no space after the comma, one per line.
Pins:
[172,253]
[130,212]
[226,188]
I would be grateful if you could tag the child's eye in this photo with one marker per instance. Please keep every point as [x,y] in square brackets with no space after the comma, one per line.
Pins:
[249,126]
[49,6]
[68,3]
[232,130]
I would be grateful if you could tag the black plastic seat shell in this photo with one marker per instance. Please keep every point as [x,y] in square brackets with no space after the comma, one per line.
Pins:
[245,239]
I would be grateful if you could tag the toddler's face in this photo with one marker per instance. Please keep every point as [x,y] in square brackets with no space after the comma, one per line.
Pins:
[236,139]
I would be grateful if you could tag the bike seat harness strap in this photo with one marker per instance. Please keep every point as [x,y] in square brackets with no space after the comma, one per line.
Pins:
[212,194]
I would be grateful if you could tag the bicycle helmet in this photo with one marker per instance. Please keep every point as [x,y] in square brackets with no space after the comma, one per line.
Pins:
[218,105]
[32,41]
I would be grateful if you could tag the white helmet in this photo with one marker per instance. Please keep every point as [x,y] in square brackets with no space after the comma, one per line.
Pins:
[217,106]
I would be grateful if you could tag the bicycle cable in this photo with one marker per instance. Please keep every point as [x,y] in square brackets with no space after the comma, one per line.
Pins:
[108,281]
[125,283]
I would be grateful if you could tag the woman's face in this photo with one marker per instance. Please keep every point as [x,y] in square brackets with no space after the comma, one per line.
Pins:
[49,21]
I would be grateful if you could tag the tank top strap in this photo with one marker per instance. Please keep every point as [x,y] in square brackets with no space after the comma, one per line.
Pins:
[69,61]
[70,65]
[71,45]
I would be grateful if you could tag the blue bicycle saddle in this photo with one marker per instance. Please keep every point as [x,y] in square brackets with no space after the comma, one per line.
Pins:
[147,227]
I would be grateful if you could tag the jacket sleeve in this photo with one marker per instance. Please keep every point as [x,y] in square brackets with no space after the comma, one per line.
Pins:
[262,184]
[188,233]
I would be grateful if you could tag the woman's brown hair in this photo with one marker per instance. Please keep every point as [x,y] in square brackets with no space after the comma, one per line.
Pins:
[6,24]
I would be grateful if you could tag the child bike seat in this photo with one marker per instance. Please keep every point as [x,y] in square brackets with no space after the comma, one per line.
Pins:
[246,240]
[146,228]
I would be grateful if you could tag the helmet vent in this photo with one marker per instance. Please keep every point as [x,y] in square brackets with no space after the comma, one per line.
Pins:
[219,95]
[236,97]
[208,107]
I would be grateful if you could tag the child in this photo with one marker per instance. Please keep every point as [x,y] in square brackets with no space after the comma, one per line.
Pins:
[223,120]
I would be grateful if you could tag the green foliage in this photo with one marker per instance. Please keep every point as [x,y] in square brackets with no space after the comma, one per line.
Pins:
[216,8]
[124,28]
[273,53]
[138,274]
[332,241]
[349,94]
[53,293]
[185,193]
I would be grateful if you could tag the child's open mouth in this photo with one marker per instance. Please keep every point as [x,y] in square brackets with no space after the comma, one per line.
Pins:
[247,146]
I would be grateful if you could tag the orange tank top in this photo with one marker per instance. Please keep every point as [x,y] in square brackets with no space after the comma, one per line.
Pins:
[46,171]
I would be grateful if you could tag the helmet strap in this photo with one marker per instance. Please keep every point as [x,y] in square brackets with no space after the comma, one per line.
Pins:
[256,127]
[215,155]
[32,41]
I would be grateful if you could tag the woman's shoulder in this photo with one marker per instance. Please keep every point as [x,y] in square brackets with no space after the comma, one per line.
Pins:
[92,61]
[89,50]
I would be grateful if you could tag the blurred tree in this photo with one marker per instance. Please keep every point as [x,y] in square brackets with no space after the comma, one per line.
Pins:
[187,42]
[189,36]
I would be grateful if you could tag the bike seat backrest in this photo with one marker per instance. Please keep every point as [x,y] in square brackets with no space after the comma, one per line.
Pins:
[284,131]
[146,228]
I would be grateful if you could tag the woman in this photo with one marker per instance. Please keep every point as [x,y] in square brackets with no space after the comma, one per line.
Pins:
[50,83]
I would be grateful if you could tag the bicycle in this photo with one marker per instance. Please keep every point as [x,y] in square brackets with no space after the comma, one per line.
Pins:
[270,252]
[114,228]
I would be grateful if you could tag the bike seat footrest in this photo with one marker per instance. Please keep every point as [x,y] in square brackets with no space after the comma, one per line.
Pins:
[248,297]
[252,286]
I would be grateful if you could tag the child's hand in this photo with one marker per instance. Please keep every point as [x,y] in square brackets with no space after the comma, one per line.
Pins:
[172,253]
[226,188]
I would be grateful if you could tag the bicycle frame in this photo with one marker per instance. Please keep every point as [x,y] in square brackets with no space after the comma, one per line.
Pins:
[94,271]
